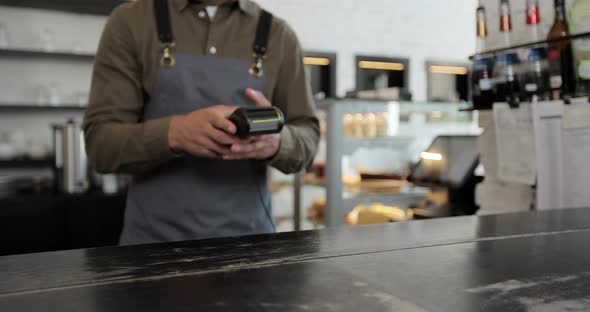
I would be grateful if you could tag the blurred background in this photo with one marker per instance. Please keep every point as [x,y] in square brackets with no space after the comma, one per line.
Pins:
[401,89]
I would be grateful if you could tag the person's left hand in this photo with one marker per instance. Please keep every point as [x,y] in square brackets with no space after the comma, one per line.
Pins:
[260,147]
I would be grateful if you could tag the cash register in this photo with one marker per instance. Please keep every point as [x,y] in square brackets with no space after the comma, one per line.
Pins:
[448,168]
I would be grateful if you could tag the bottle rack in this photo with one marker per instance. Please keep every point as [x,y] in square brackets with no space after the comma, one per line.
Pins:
[569,88]
[529,45]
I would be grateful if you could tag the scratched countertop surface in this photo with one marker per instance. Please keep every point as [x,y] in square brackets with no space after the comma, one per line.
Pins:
[537,261]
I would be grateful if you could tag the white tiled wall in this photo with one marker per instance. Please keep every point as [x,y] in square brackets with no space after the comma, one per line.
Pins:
[22,79]
[27,27]
[419,30]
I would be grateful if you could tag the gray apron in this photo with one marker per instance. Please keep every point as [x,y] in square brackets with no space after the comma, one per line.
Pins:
[193,198]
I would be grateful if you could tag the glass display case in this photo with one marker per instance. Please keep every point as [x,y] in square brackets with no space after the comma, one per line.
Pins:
[367,149]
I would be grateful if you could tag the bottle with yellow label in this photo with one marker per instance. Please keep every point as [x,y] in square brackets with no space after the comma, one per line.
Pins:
[580,23]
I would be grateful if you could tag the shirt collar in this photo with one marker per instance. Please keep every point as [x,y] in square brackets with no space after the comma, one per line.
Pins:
[245,5]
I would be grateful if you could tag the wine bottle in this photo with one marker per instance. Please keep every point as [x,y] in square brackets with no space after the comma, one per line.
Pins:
[560,29]
[580,23]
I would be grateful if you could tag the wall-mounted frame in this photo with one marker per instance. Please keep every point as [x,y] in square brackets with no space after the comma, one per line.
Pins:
[373,72]
[320,69]
[447,81]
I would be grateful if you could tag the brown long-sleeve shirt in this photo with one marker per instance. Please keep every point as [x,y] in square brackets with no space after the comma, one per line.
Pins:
[126,69]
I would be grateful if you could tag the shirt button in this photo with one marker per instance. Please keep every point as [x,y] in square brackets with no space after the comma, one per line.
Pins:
[213,50]
[202,14]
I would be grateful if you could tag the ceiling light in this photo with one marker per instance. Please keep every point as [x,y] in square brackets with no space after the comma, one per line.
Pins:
[381,65]
[317,61]
[449,70]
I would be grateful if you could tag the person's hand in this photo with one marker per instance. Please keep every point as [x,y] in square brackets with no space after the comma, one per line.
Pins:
[260,147]
[203,133]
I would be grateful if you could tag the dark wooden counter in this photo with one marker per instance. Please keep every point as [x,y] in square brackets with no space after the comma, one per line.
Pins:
[514,262]
[47,222]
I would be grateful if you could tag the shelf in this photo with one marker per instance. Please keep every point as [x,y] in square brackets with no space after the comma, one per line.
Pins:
[33,107]
[25,163]
[577,99]
[95,7]
[405,198]
[67,55]
[350,145]
[530,45]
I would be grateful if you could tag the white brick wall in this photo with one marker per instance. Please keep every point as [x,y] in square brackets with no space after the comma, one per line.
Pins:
[418,29]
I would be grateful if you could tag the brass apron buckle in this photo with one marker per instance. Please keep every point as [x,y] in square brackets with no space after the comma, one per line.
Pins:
[168,60]
[256,68]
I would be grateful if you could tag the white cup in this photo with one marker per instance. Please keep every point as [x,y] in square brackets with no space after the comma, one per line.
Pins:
[48,94]
[77,47]
[47,37]
[4,35]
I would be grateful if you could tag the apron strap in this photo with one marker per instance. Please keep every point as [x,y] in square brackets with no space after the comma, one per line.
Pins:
[261,43]
[165,35]
[262,33]
[163,22]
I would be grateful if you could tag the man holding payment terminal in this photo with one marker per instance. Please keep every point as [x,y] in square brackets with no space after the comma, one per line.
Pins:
[168,80]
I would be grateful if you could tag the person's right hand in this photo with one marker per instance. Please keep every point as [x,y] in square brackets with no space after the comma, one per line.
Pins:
[203,133]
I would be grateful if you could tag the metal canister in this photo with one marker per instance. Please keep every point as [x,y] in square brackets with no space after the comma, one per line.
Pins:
[70,161]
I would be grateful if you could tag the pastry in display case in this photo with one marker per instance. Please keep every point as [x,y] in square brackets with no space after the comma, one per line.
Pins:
[315,213]
[376,213]
[366,125]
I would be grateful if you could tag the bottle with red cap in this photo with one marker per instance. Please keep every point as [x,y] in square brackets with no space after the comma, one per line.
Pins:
[533,20]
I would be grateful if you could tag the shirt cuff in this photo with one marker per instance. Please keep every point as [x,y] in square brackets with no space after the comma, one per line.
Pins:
[156,139]
[286,148]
